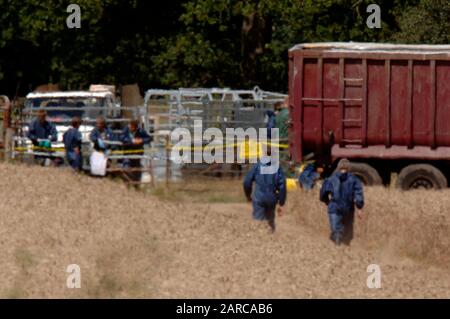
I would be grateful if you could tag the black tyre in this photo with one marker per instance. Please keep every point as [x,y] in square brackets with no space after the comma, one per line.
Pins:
[366,173]
[423,176]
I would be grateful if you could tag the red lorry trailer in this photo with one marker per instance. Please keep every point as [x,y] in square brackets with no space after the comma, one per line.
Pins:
[384,107]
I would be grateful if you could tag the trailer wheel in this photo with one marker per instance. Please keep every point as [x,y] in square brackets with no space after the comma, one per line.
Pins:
[423,176]
[366,173]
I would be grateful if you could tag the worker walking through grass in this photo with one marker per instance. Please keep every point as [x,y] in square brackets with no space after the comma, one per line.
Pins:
[341,192]
[270,190]
[72,142]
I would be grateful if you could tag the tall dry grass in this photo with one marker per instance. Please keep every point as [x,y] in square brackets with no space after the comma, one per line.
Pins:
[198,240]
[415,224]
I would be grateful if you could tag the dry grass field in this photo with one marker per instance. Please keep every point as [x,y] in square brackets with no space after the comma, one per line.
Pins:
[197,240]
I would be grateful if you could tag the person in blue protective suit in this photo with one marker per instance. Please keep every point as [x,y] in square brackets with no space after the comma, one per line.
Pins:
[134,138]
[308,177]
[100,134]
[341,192]
[41,133]
[41,129]
[72,142]
[270,190]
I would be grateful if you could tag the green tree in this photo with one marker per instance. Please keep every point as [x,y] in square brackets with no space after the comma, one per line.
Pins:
[245,43]
[191,43]
[428,22]
[114,45]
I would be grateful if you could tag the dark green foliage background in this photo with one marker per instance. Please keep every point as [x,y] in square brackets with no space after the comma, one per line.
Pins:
[200,43]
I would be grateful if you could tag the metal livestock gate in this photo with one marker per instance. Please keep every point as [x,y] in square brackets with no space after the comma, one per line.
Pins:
[220,108]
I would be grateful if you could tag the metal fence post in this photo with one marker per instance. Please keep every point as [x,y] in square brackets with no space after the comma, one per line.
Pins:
[167,160]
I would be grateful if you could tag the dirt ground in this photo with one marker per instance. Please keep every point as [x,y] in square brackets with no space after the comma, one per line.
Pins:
[198,240]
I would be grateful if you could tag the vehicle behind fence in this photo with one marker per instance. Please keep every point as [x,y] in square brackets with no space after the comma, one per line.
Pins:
[164,111]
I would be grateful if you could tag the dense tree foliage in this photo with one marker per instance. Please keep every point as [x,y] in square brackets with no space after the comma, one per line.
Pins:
[429,22]
[191,43]
[115,43]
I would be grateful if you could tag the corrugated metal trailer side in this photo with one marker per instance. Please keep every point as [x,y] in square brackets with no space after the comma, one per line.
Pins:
[369,101]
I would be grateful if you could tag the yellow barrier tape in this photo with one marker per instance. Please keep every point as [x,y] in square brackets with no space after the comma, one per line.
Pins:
[120,152]
[25,149]
[37,148]
[276,145]
[242,144]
